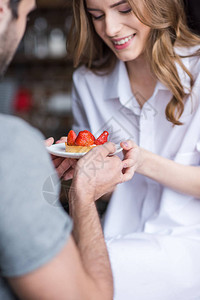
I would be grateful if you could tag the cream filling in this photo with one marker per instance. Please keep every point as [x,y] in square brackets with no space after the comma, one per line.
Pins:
[78,149]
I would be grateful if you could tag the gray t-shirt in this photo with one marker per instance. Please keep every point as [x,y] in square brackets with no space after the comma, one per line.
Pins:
[33,227]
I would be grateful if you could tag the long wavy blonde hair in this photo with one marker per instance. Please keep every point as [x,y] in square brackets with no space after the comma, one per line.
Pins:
[167,21]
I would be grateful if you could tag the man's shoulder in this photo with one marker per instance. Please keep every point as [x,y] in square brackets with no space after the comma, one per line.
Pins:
[29,186]
[16,132]
[10,126]
[20,142]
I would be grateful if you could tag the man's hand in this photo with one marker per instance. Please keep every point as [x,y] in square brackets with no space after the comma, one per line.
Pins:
[63,139]
[48,142]
[64,167]
[97,173]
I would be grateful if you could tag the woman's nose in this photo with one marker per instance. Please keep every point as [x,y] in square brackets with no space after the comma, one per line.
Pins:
[112,26]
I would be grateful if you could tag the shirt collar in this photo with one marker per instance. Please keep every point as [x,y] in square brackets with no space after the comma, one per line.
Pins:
[118,84]
[114,85]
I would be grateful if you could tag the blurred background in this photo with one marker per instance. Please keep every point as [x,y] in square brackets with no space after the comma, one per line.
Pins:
[37,85]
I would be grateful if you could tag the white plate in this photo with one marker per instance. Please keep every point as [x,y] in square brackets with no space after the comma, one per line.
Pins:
[59,150]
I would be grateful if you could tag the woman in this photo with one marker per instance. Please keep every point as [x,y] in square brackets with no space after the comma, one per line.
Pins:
[140,80]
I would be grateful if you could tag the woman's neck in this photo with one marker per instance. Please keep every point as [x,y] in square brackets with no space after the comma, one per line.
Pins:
[141,78]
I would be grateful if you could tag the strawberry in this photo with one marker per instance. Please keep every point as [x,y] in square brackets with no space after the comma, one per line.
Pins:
[84,138]
[71,138]
[102,138]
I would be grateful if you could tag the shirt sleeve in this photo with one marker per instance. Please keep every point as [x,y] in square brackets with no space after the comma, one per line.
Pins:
[33,225]
[198,146]
[79,113]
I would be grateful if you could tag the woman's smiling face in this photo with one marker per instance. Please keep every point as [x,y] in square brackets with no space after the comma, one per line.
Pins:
[118,27]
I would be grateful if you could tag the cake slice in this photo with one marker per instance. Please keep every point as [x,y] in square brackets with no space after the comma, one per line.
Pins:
[84,142]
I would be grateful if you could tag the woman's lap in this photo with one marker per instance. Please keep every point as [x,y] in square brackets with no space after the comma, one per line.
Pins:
[153,267]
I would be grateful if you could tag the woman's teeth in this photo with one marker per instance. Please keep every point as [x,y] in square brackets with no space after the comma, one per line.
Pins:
[124,41]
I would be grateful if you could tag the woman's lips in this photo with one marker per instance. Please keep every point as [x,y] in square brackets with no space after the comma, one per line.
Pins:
[123,43]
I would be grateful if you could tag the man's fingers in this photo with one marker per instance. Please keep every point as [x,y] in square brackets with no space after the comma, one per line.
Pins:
[57,161]
[48,142]
[63,139]
[106,149]
[98,153]
[65,166]
[68,175]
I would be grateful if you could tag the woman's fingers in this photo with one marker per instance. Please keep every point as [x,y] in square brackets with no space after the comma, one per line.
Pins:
[128,163]
[128,169]
[127,145]
[127,174]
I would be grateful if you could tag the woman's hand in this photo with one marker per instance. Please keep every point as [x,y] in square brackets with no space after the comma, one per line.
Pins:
[133,158]
[64,166]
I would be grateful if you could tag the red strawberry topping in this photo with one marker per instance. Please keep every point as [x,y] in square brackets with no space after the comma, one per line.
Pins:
[102,138]
[84,138]
[71,138]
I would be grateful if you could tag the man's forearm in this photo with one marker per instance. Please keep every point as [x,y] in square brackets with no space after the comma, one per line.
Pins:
[90,242]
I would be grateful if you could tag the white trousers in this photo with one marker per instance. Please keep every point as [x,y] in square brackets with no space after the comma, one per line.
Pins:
[152,267]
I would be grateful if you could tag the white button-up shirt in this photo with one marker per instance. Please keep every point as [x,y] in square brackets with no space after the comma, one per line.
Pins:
[107,103]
